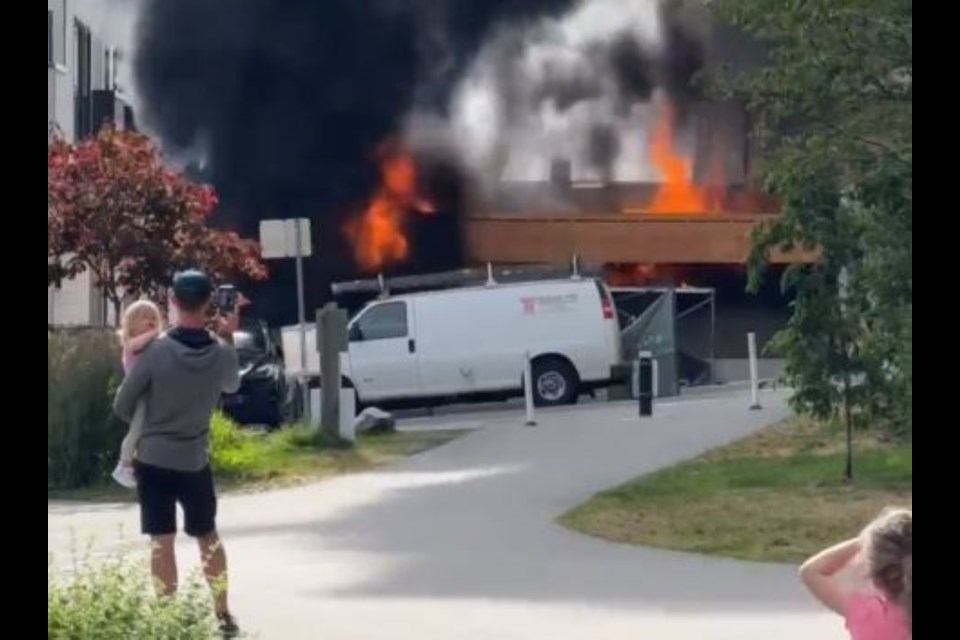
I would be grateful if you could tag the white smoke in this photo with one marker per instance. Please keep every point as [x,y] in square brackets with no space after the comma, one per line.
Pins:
[542,91]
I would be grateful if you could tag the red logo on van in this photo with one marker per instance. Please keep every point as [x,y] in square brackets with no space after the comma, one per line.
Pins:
[529,306]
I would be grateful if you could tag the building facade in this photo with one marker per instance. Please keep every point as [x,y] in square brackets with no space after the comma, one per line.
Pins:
[83,92]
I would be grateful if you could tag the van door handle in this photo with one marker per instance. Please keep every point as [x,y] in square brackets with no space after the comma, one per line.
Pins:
[411,345]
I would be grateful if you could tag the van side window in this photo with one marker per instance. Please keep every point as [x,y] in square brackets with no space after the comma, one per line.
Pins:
[384,321]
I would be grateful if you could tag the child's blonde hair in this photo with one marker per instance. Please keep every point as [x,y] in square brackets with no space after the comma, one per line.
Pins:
[888,541]
[134,314]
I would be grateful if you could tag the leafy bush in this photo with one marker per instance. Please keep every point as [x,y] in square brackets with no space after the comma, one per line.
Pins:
[83,436]
[114,600]
[233,451]
[299,437]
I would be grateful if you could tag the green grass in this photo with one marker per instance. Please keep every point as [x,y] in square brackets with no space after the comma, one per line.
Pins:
[253,460]
[778,495]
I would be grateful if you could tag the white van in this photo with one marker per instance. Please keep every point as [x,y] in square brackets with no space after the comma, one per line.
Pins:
[472,342]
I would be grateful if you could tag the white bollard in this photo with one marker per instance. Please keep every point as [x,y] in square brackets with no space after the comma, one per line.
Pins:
[346,418]
[528,390]
[655,374]
[754,382]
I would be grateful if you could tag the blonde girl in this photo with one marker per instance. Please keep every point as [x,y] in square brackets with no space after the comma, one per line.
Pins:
[882,607]
[141,324]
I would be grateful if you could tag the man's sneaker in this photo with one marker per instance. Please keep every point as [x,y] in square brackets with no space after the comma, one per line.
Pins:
[123,474]
[227,625]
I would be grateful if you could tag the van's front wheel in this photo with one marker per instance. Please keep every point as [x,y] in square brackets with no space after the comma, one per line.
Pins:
[555,382]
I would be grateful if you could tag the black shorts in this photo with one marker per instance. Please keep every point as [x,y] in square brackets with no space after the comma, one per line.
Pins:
[159,490]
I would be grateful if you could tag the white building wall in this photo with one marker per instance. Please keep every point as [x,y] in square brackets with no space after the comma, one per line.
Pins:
[77,301]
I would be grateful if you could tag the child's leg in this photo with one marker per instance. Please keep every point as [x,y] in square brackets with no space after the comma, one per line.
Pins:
[128,448]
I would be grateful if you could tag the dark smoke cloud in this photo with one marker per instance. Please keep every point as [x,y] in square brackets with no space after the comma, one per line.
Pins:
[604,147]
[571,87]
[633,68]
[457,29]
[684,51]
[565,86]
[283,104]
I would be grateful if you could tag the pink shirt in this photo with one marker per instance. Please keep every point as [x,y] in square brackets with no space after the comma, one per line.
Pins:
[133,347]
[872,617]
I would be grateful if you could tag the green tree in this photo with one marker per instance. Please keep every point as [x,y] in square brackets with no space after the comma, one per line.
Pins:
[832,107]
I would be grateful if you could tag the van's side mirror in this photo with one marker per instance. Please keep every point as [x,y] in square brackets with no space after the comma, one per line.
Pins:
[355,334]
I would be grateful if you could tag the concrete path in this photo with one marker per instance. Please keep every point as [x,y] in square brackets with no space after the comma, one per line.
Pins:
[459,543]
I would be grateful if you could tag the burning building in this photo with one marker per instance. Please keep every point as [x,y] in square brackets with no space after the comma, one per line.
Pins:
[428,135]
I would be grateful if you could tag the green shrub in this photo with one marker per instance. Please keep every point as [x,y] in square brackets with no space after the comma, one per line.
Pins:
[233,451]
[114,600]
[83,436]
[298,437]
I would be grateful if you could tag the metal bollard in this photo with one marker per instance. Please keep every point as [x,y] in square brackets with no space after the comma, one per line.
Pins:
[754,381]
[645,384]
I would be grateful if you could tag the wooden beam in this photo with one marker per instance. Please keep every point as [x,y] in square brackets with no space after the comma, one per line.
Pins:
[655,239]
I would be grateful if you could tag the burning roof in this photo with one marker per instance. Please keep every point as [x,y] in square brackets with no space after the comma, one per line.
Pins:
[299,107]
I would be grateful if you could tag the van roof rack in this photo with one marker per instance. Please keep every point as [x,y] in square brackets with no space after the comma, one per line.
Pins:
[488,275]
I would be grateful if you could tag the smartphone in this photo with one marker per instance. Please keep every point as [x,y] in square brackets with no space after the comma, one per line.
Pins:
[226,299]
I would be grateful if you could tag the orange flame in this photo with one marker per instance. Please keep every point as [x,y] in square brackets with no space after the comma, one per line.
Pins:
[377,234]
[644,274]
[676,193]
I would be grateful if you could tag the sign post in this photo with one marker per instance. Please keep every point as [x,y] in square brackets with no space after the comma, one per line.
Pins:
[331,342]
[290,238]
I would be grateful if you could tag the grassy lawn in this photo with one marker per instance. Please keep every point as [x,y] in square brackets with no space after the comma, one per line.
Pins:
[253,460]
[777,495]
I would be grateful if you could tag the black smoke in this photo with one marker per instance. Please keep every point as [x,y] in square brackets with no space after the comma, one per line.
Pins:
[282,104]
[684,53]
[633,67]
[603,149]
[608,77]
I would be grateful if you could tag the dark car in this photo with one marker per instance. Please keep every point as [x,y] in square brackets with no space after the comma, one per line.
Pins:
[263,397]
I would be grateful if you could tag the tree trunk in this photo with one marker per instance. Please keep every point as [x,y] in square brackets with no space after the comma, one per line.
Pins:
[848,419]
[117,305]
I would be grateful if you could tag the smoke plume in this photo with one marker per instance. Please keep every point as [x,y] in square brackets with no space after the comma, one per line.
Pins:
[577,87]
[282,105]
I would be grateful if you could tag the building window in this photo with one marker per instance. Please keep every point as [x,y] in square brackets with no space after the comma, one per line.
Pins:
[57,35]
[83,41]
[108,74]
[83,116]
[117,60]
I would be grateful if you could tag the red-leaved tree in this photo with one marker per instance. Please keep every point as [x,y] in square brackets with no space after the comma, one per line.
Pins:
[115,209]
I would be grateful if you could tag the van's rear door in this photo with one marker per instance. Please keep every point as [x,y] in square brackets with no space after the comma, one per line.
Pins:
[611,327]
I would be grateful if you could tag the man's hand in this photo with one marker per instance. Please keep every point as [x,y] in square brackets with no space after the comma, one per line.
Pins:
[227,324]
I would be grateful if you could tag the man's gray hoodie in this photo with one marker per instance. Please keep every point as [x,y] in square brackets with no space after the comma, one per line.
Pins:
[180,377]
